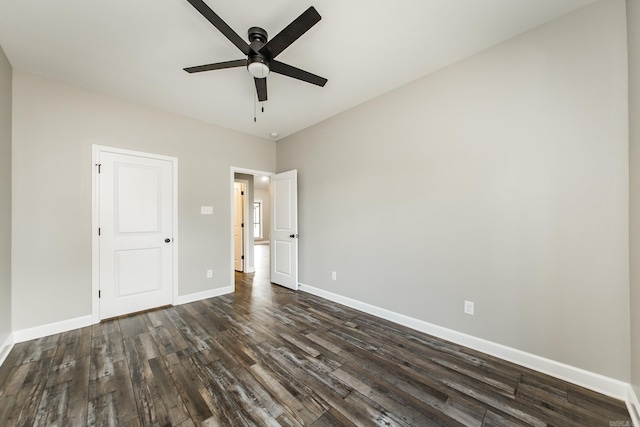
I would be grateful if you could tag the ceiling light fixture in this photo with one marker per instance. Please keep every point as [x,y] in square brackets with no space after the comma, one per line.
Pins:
[258,67]
[274,135]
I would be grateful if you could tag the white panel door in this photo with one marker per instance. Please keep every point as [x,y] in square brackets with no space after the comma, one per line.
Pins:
[238,226]
[136,223]
[284,229]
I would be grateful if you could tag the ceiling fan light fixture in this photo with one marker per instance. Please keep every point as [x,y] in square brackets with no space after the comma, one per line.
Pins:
[258,68]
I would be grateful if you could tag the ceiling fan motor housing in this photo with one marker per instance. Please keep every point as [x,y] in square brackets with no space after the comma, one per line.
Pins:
[257,34]
[257,63]
[258,66]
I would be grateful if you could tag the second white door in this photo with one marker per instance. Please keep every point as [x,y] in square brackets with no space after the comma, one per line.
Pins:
[284,229]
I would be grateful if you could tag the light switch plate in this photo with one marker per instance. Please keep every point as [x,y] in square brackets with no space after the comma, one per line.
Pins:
[468,307]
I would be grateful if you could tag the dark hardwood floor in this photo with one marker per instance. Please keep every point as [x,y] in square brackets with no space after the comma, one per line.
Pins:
[268,356]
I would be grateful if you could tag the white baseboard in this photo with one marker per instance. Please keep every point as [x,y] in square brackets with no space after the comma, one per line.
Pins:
[5,348]
[596,382]
[633,405]
[186,299]
[52,328]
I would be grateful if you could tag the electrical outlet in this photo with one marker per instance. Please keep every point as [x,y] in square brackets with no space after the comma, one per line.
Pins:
[468,307]
[209,274]
[333,275]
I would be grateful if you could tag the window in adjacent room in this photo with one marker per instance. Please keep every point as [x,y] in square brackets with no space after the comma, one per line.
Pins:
[257,220]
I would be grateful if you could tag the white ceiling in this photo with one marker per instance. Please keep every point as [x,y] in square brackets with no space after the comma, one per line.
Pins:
[136,50]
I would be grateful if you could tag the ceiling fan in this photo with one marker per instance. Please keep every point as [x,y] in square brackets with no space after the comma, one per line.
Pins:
[260,52]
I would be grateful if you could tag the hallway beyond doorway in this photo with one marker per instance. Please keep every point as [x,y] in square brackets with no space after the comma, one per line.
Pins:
[258,283]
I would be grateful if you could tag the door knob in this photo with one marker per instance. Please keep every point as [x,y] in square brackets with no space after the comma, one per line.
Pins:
[293,236]
[167,240]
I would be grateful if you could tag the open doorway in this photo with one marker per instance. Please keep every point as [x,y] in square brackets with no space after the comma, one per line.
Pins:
[261,227]
[250,243]
[283,230]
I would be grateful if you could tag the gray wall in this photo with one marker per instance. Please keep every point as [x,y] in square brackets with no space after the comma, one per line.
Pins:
[633,25]
[502,179]
[54,127]
[5,198]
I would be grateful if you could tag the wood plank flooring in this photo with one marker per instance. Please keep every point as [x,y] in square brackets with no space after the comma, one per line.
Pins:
[267,356]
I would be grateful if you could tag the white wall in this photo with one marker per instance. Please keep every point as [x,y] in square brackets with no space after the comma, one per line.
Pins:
[633,25]
[502,179]
[5,199]
[54,127]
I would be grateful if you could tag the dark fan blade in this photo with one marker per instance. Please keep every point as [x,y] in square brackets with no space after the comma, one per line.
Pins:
[296,73]
[221,26]
[261,88]
[291,33]
[217,66]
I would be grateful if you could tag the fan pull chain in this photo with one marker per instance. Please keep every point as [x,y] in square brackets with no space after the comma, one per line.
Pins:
[255,107]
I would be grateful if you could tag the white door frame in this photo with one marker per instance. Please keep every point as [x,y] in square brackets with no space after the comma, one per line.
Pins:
[95,222]
[234,170]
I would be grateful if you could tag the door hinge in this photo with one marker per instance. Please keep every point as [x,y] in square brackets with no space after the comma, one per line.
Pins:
[242,193]
[242,225]
[99,165]
[242,257]
[99,294]
[99,231]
